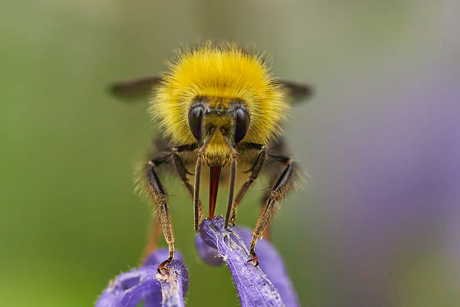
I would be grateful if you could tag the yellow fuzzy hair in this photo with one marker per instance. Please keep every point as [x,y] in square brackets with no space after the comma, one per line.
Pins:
[222,74]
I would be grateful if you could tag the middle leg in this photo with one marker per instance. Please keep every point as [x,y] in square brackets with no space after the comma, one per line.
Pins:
[157,193]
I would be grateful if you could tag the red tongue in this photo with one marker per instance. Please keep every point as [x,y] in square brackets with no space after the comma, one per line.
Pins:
[213,187]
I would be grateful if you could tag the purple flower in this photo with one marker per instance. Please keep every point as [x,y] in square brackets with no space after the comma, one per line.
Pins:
[129,288]
[265,285]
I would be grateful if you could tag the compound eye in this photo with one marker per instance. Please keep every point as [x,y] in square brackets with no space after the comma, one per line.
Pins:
[242,124]
[195,118]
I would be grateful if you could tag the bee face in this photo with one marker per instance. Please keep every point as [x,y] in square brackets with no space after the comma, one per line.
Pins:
[221,80]
[220,124]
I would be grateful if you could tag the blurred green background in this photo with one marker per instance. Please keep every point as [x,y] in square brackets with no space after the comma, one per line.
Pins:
[376,225]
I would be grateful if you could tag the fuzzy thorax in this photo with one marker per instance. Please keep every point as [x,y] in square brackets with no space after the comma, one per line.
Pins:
[220,73]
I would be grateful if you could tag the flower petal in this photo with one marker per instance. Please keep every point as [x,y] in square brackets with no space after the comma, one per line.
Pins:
[255,288]
[144,283]
[271,262]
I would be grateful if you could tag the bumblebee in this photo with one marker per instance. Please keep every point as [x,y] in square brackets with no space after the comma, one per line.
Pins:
[220,108]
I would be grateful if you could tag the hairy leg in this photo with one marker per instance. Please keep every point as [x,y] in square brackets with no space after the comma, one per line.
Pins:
[158,196]
[276,194]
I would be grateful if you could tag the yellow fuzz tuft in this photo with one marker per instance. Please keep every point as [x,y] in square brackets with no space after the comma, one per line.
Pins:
[217,151]
[220,73]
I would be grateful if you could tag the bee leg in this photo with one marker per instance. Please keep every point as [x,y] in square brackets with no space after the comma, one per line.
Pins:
[277,193]
[197,206]
[268,229]
[256,167]
[182,171]
[158,195]
[231,190]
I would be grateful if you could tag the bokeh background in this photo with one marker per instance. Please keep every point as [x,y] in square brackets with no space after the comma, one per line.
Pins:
[378,223]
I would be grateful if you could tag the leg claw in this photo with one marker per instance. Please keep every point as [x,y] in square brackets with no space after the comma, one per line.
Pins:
[254,259]
[232,220]
[163,267]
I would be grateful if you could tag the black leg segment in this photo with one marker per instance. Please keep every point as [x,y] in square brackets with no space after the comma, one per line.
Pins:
[278,192]
[257,166]
[158,195]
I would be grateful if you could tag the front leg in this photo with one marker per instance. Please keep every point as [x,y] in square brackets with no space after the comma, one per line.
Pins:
[277,193]
[255,170]
[182,172]
[158,195]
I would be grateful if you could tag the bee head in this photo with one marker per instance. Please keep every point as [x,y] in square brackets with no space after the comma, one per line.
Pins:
[223,93]
[219,123]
